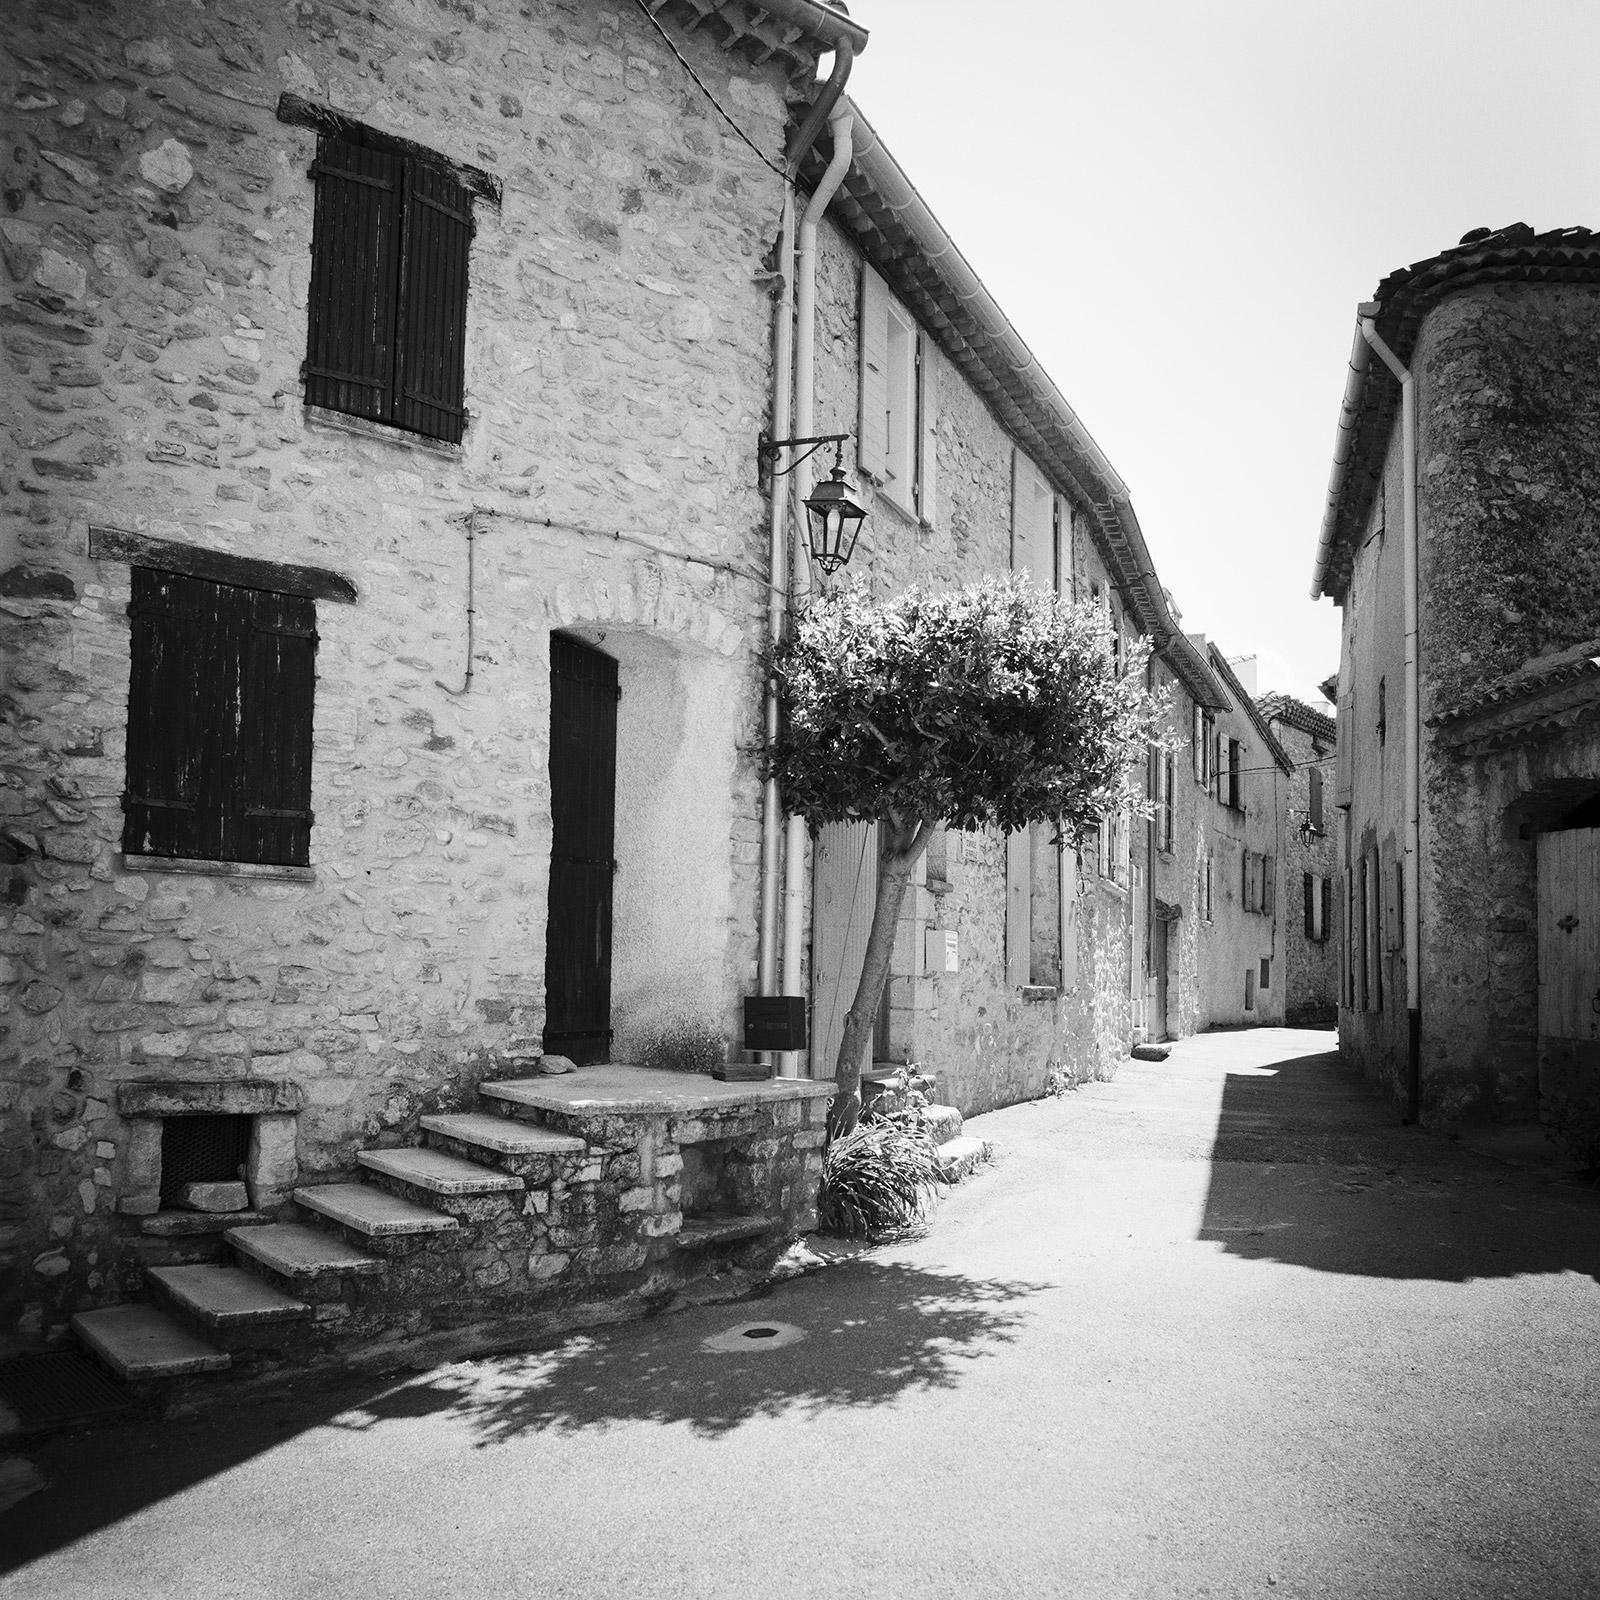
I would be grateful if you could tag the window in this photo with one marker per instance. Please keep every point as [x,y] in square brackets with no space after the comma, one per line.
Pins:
[1205,887]
[896,440]
[1164,774]
[1256,887]
[387,306]
[1314,799]
[1249,988]
[1383,710]
[1230,791]
[1204,734]
[1266,973]
[219,721]
[1318,897]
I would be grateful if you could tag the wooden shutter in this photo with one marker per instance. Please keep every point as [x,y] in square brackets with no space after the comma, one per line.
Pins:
[266,814]
[1069,917]
[872,436]
[1310,887]
[1032,522]
[173,696]
[927,427]
[1327,906]
[1314,802]
[1269,884]
[433,303]
[1019,908]
[355,279]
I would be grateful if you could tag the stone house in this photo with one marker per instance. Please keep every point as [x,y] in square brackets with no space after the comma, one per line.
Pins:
[380,491]
[1461,543]
[1310,860]
[1015,958]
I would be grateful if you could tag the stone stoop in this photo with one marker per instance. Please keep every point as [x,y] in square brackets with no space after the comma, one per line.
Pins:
[544,1201]
[959,1157]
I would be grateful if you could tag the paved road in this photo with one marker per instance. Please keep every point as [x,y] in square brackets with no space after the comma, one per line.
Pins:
[1218,1328]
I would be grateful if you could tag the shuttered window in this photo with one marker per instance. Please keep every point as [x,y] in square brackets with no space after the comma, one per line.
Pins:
[388,298]
[219,721]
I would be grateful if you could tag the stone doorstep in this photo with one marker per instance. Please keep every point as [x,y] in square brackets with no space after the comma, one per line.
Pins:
[612,1090]
[957,1157]
[945,1123]
[293,1250]
[372,1212]
[183,1224]
[503,1135]
[703,1230]
[138,1341]
[226,1297]
[439,1173]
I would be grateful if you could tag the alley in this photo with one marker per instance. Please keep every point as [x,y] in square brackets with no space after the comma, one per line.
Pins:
[1217,1327]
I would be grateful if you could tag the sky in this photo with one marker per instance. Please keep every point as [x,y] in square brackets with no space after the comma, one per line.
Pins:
[1180,203]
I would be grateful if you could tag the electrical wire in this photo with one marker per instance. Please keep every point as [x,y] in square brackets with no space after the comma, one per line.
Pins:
[700,84]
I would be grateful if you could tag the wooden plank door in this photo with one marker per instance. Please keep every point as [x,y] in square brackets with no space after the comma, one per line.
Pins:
[583,792]
[1158,964]
[844,893]
[1569,944]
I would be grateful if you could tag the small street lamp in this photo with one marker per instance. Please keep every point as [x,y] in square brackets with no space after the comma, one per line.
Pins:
[834,514]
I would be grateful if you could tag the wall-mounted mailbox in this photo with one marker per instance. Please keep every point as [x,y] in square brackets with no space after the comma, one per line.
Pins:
[941,950]
[775,1022]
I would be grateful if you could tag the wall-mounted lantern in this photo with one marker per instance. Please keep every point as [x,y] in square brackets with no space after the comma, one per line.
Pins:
[834,513]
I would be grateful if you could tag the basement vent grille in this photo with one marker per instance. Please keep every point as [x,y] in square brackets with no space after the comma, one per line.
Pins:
[209,1149]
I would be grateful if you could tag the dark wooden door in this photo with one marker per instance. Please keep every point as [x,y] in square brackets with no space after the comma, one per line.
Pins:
[583,787]
[1161,972]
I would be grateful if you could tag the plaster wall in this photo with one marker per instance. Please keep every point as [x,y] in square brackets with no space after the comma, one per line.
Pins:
[157,255]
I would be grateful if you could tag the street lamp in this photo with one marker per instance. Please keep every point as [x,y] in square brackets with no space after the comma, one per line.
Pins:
[833,513]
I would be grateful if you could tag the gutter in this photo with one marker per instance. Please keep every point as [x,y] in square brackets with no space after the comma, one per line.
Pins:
[1344,442]
[828,23]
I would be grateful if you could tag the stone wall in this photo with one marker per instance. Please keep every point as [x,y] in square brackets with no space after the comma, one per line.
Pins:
[1311,968]
[157,254]
[988,1041]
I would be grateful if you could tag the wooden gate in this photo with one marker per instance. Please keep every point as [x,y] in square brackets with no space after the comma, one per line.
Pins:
[583,787]
[844,892]
[1569,959]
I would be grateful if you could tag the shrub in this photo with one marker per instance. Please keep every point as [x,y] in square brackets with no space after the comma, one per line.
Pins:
[683,1045]
[879,1178]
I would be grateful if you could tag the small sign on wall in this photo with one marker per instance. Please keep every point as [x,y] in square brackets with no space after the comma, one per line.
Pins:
[941,950]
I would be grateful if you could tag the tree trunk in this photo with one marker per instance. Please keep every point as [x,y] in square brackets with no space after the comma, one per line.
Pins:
[906,842]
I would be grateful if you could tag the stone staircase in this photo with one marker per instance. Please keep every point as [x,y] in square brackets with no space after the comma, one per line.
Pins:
[959,1153]
[562,1191]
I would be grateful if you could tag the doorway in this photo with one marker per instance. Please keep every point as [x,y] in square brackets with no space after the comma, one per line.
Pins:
[1569,964]
[583,782]
[1159,1027]
[844,895]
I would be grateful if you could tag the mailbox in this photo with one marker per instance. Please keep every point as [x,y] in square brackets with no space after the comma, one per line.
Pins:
[775,1022]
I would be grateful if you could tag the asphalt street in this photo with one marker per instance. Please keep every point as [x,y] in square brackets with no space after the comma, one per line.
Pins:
[1220,1327]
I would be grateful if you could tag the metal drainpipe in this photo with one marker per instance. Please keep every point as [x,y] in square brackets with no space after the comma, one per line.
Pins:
[778,541]
[1413,785]
[840,124]
[1155,765]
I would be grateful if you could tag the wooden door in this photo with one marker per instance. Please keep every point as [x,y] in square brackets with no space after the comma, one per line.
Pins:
[844,893]
[1158,965]
[1569,950]
[583,788]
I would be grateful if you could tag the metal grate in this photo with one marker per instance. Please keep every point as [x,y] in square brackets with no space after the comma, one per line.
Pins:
[202,1150]
[58,1387]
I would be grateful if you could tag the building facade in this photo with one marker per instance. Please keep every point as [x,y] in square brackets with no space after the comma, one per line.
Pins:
[1468,801]
[1310,861]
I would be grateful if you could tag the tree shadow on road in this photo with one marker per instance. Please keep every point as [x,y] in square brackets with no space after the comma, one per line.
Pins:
[868,1331]
[871,1330]
[1311,1167]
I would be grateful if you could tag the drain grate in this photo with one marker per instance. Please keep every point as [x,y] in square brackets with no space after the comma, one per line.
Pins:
[753,1336]
[58,1388]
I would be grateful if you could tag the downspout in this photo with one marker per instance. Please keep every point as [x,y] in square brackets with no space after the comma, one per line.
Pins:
[1413,763]
[772,829]
[1155,763]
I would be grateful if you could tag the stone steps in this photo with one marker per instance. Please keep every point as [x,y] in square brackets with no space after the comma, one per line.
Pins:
[945,1122]
[436,1172]
[373,1213]
[140,1342]
[699,1231]
[301,1255]
[236,1307]
[958,1157]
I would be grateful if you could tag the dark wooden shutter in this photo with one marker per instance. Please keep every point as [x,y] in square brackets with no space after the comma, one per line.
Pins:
[1310,887]
[173,694]
[1327,906]
[266,814]
[433,303]
[355,279]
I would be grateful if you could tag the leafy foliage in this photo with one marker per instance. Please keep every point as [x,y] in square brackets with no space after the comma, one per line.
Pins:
[877,1179]
[684,1046]
[998,704]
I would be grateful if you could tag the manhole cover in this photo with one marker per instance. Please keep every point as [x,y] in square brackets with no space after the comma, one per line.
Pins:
[58,1387]
[754,1336]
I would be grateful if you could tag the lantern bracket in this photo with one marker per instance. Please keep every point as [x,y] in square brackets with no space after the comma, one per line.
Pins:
[767,450]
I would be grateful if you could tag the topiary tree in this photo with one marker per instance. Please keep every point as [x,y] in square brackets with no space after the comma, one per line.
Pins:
[999,705]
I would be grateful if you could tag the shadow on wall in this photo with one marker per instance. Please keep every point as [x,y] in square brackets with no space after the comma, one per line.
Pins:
[874,1330]
[1310,1168]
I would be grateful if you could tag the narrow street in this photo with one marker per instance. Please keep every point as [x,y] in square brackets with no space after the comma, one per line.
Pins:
[1220,1327]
